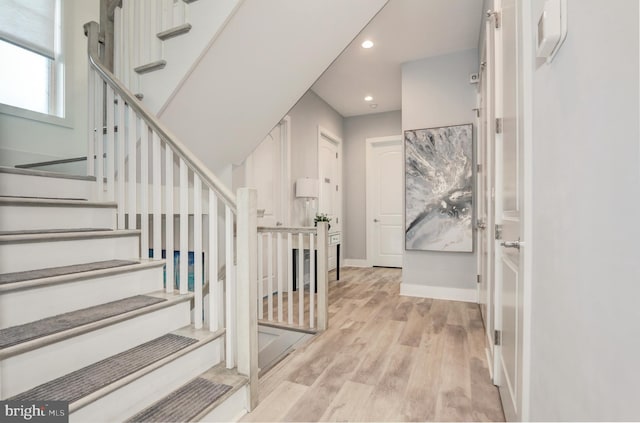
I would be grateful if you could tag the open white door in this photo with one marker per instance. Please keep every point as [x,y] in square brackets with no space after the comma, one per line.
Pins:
[267,170]
[385,235]
[330,178]
[486,191]
[510,269]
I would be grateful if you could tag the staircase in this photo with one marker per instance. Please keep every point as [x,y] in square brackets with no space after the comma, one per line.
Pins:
[85,319]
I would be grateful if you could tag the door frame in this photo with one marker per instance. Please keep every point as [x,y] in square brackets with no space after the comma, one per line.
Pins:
[323,132]
[370,142]
[525,51]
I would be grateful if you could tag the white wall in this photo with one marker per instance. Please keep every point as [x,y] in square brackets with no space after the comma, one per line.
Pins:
[356,131]
[309,112]
[436,92]
[268,55]
[24,140]
[586,207]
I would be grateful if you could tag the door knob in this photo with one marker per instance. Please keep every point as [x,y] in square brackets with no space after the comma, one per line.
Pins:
[511,244]
[376,220]
[278,223]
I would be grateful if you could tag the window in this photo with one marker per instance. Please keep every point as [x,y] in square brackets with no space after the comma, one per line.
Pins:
[31,74]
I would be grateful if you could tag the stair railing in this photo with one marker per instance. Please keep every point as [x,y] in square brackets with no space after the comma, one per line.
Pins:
[288,258]
[133,160]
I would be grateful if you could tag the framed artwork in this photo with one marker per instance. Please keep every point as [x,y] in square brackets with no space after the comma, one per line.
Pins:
[439,188]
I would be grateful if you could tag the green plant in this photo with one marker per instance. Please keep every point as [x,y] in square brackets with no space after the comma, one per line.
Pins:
[321,217]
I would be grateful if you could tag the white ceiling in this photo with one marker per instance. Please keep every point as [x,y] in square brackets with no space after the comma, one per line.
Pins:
[405,30]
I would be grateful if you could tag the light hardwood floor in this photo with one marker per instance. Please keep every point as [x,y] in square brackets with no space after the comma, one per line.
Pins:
[384,358]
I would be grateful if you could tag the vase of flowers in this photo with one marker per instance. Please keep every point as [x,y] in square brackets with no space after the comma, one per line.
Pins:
[322,217]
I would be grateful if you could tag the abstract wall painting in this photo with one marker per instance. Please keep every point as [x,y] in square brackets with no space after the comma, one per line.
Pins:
[439,189]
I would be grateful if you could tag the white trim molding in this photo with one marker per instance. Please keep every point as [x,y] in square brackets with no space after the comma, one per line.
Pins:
[355,263]
[439,292]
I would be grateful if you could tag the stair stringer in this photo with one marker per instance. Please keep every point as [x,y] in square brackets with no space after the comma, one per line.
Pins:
[182,53]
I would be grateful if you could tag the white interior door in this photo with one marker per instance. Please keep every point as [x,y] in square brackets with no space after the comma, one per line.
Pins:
[509,187]
[384,201]
[329,175]
[486,191]
[264,172]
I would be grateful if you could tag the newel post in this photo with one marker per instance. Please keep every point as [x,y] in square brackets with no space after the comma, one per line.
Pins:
[323,275]
[246,291]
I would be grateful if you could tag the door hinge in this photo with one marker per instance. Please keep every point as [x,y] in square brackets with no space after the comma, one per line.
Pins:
[498,231]
[498,125]
[496,15]
[497,337]
[336,188]
[336,155]
[479,168]
[478,278]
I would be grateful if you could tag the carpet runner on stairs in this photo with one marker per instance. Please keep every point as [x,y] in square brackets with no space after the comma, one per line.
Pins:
[6,278]
[184,404]
[22,333]
[82,382]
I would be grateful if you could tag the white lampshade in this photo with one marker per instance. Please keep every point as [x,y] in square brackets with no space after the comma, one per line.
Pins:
[307,188]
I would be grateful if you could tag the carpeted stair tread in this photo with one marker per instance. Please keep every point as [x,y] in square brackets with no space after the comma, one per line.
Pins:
[183,404]
[13,277]
[82,382]
[53,231]
[22,333]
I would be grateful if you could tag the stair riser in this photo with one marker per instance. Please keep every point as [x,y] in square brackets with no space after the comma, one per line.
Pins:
[231,410]
[29,369]
[75,295]
[141,393]
[18,257]
[23,218]
[39,186]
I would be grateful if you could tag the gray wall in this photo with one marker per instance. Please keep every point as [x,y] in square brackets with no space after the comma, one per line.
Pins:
[356,130]
[309,112]
[586,205]
[436,92]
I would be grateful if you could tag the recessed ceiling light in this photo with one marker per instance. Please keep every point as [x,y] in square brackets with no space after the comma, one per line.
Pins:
[373,106]
[367,44]
[368,98]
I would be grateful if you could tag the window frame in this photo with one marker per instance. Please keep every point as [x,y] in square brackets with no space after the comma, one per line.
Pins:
[58,81]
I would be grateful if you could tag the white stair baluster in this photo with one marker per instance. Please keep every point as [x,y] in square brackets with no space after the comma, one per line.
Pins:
[197,250]
[110,146]
[231,288]
[289,278]
[120,167]
[214,294]
[270,276]
[157,197]
[260,277]
[131,135]
[184,227]
[312,282]
[144,190]
[169,241]
[280,275]
[301,279]
[91,139]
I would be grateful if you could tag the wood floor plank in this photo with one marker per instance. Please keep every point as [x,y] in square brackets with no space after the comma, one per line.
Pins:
[385,358]
[347,404]
[276,405]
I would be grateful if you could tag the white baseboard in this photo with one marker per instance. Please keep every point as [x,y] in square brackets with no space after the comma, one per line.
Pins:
[355,263]
[439,293]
